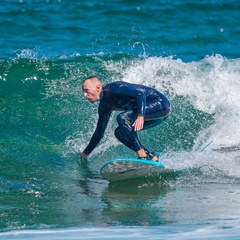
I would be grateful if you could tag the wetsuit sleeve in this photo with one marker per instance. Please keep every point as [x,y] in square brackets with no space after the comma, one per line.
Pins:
[141,99]
[128,91]
[104,115]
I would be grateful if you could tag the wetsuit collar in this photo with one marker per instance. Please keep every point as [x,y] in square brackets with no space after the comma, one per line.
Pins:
[101,94]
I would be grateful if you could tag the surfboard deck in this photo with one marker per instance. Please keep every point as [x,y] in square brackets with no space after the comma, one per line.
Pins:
[131,168]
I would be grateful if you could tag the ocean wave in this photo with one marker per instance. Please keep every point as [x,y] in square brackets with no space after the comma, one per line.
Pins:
[203,93]
[43,97]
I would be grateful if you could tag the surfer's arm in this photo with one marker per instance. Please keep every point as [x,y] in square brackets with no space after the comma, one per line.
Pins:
[141,101]
[83,155]
[99,131]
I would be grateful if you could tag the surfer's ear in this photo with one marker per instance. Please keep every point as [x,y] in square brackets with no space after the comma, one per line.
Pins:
[99,87]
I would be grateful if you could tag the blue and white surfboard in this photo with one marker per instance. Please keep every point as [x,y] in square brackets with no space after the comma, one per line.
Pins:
[129,168]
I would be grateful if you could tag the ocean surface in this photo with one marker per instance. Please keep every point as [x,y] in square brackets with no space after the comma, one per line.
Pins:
[189,50]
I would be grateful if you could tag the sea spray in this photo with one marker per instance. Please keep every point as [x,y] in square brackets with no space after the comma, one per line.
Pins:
[210,85]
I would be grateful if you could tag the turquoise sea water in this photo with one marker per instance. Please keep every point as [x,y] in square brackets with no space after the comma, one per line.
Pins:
[189,50]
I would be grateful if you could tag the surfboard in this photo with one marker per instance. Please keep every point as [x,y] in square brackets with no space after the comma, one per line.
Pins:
[131,168]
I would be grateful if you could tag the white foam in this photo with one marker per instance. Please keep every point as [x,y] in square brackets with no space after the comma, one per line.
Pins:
[211,85]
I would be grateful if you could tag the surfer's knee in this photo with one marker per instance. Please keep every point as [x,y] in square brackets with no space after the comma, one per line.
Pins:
[123,119]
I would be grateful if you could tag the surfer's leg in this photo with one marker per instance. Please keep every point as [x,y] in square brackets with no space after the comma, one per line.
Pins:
[126,134]
[121,136]
[156,111]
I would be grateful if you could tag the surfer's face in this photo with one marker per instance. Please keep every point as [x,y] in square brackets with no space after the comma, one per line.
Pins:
[91,90]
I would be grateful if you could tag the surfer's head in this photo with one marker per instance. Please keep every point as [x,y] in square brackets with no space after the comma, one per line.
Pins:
[92,87]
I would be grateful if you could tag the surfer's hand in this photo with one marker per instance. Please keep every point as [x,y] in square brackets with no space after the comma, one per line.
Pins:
[82,155]
[138,124]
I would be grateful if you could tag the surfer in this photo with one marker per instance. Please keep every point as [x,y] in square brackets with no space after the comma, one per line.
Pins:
[142,108]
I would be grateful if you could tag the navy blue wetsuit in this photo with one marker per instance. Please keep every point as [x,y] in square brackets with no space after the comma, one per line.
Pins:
[133,100]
